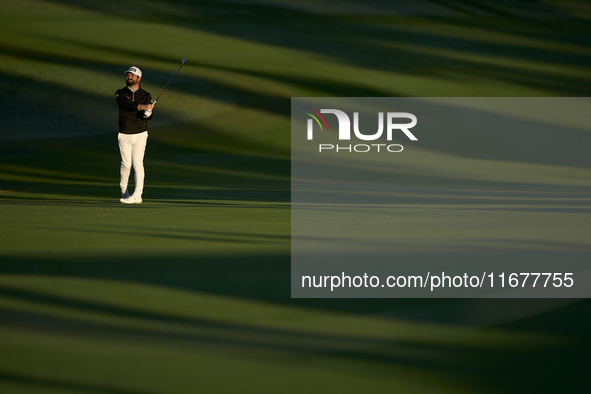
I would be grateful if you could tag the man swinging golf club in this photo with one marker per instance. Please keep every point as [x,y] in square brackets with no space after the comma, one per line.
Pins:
[135,109]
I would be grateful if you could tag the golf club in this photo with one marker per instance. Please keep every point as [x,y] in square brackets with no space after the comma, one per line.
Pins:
[148,113]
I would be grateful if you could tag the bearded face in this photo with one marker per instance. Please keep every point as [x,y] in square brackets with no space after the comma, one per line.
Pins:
[132,79]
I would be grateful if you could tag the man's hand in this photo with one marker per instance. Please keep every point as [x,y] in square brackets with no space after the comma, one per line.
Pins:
[145,107]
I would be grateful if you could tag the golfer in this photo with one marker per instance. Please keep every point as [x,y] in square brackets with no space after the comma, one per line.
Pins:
[135,109]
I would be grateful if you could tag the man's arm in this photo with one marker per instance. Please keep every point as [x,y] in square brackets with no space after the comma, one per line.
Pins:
[150,107]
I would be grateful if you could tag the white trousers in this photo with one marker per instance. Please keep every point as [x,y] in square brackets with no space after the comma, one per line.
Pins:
[132,148]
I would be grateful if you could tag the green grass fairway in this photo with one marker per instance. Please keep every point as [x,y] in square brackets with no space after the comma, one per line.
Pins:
[190,291]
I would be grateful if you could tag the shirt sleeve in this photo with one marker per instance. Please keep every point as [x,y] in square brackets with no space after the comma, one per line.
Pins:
[149,101]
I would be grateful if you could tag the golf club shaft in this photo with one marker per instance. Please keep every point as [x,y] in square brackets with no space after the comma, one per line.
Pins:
[177,71]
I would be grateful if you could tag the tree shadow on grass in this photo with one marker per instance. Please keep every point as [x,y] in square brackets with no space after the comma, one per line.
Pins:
[523,366]
[28,381]
[360,42]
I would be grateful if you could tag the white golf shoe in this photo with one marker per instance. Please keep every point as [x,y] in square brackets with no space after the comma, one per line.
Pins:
[131,200]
